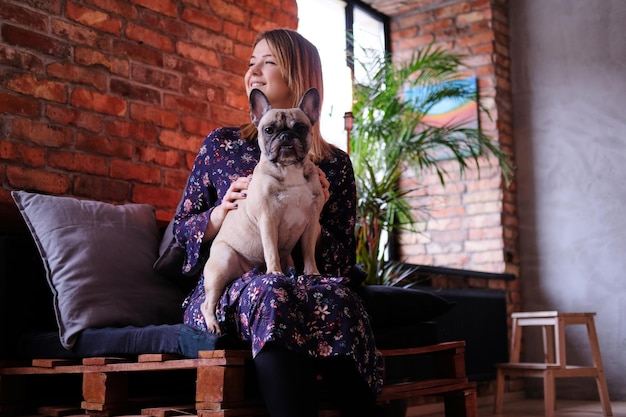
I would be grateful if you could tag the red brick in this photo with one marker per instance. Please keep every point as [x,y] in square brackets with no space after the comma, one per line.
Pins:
[239,33]
[161,157]
[30,85]
[260,24]
[229,11]
[156,115]
[210,40]
[118,7]
[201,90]
[96,58]
[234,65]
[42,133]
[166,7]
[130,130]
[236,100]
[98,102]
[52,6]
[203,19]
[175,178]
[32,40]
[185,105]
[33,156]
[37,180]
[23,106]
[180,141]
[93,18]
[80,75]
[20,59]
[149,37]
[67,116]
[198,54]
[452,10]
[137,52]
[473,17]
[78,162]
[199,126]
[154,77]
[102,189]
[161,23]
[156,196]
[100,145]
[79,34]
[134,91]
[24,17]
[130,170]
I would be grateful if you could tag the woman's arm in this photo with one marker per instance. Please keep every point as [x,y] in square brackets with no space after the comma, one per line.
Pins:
[219,177]
[337,247]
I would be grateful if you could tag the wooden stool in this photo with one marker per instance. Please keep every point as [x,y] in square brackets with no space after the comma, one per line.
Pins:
[554,366]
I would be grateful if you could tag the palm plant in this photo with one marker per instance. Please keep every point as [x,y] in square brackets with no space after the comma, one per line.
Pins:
[391,135]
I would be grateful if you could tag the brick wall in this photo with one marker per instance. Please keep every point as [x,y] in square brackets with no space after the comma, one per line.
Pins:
[472,221]
[110,100]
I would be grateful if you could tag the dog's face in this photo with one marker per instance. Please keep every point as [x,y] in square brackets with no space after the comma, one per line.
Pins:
[284,134]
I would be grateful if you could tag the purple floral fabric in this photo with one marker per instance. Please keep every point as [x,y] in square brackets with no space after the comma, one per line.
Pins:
[317,315]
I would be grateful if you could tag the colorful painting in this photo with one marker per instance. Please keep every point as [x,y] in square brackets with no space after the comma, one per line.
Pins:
[449,111]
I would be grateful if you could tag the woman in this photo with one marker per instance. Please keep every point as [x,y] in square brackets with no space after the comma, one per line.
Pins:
[297,326]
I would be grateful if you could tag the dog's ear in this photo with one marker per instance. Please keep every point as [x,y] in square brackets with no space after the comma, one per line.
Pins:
[259,105]
[310,105]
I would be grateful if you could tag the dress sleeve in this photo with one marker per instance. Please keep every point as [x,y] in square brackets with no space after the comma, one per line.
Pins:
[199,199]
[338,244]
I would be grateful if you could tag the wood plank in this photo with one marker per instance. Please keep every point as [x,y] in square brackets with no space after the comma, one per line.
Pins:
[393,394]
[104,361]
[186,410]
[51,363]
[235,412]
[58,411]
[441,347]
[157,357]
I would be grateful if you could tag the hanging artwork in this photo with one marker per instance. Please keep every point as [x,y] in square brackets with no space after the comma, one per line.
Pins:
[448,111]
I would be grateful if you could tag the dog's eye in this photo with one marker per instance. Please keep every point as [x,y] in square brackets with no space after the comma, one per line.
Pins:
[269,130]
[301,128]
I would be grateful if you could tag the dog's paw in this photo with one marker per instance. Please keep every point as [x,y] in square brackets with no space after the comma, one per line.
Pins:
[214,328]
[210,319]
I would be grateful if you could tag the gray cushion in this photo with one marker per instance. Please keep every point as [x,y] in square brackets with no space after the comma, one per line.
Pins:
[98,259]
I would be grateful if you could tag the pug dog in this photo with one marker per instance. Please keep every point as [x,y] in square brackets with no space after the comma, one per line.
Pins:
[283,204]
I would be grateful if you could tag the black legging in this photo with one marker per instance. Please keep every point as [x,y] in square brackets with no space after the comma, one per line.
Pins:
[288,382]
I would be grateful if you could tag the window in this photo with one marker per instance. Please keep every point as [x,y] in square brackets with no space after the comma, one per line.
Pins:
[327,23]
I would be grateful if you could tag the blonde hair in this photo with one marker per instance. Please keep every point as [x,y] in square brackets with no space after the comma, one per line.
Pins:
[301,67]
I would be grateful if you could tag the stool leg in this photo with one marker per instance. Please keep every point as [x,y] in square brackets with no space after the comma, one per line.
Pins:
[603,390]
[499,394]
[549,393]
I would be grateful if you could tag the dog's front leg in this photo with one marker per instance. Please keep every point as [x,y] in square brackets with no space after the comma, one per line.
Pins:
[309,242]
[222,267]
[269,237]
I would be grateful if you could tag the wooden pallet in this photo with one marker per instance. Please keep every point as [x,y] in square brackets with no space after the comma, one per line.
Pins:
[221,387]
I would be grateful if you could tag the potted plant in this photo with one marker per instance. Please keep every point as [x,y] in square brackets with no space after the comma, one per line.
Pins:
[390,135]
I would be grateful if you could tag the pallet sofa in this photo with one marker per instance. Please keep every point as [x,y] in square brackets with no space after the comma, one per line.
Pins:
[115,344]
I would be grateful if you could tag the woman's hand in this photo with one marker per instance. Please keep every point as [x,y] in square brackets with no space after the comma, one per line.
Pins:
[237,191]
[325,184]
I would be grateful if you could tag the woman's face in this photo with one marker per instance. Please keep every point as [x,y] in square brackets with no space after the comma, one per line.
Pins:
[264,74]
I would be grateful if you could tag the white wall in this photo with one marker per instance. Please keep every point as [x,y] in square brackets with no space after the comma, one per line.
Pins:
[569,97]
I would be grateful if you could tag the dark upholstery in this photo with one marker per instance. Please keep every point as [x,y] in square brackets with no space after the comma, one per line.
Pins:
[400,318]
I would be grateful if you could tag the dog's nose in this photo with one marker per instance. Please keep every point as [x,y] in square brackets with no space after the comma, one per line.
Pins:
[285,137]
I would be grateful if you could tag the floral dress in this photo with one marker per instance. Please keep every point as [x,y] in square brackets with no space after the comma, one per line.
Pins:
[316,315]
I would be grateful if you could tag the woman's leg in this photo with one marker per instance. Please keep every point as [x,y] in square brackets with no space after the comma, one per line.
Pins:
[288,382]
[347,387]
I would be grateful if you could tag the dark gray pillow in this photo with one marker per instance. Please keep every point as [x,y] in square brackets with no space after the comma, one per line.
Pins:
[98,259]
